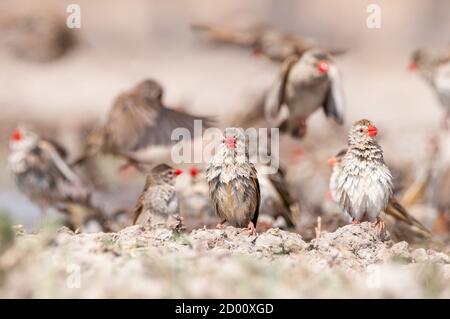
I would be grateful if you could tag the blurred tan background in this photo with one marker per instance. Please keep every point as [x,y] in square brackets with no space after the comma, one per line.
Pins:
[122,42]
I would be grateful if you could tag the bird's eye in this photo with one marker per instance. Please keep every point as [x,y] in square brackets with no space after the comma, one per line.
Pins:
[361,130]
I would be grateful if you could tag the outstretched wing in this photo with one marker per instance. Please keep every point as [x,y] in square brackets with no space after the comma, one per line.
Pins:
[136,123]
[277,93]
[333,104]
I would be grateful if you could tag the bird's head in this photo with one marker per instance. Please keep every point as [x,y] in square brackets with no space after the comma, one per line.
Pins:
[165,173]
[149,89]
[419,59]
[319,62]
[234,142]
[362,132]
[22,140]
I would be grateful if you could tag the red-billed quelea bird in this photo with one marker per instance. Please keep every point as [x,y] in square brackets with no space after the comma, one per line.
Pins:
[261,39]
[434,67]
[403,227]
[304,85]
[159,200]
[364,185]
[138,126]
[42,174]
[233,182]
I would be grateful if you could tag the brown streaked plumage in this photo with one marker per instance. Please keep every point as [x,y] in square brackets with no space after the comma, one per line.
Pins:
[276,199]
[233,182]
[42,174]
[159,199]
[137,122]
[369,173]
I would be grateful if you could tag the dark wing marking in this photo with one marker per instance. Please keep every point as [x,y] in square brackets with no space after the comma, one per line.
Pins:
[333,104]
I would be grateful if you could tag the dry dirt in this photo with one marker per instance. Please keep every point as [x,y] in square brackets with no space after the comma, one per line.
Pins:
[155,263]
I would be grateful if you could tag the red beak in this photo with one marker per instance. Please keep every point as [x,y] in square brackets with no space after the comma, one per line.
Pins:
[332,161]
[323,66]
[193,171]
[372,131]
[230,141]
[413,66]
[178,172]
[16,136]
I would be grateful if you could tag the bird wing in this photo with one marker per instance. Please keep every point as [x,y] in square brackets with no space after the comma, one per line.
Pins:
[57,163]
[333,104]
[135,123]
[442,84]
[277,93]
[396,210]
[140,202]
[227,35]
[258,198]
[278,181]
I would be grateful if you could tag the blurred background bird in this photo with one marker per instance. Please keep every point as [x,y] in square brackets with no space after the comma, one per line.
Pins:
[41,173]
[434,66]
[139,127]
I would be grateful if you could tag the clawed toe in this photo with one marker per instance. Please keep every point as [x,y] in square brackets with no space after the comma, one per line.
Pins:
[251,229]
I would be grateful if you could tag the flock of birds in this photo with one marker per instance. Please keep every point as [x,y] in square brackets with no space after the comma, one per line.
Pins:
[238,191]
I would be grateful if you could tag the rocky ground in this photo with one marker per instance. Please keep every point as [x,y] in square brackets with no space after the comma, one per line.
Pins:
[135,262]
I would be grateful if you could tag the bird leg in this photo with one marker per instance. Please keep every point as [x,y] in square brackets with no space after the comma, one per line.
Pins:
[220,225]
[251,229]
[302,128]
[381,226]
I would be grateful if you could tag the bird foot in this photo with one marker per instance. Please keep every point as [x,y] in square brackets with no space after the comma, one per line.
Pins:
[220,225]
[355,222]
[381,227]
[251,229]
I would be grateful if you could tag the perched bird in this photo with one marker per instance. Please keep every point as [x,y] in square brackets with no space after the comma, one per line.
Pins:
[159,199]
[261,39]
[233,182]
[361,183]
[42,174]
[434,67]
[304,85]
[138,126]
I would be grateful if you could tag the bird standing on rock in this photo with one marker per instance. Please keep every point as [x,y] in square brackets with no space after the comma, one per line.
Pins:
[159,199]
[42,174]
[233,182]
[434,67]
[305,84]
[137,124]
[364,185]
[405,226]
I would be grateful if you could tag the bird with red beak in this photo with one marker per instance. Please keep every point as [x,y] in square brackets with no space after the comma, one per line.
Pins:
[305,84]
[159,199]
[233,182]
[362,183]
[401,224]
[434,67]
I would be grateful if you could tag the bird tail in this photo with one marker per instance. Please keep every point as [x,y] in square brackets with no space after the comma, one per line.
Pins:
[400,214]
